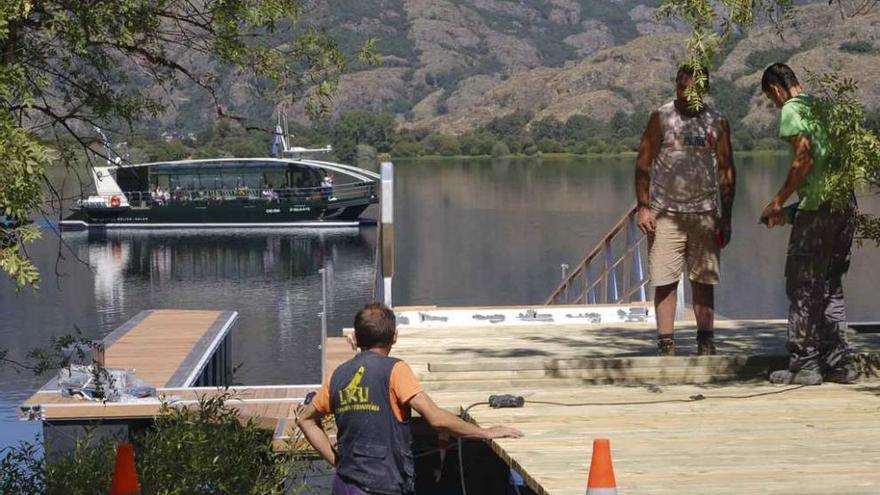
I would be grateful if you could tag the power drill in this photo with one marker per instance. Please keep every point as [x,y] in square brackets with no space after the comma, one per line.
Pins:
[506,400]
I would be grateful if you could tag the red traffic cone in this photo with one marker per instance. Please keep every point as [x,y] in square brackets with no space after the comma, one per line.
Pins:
[601,480]
[125,481]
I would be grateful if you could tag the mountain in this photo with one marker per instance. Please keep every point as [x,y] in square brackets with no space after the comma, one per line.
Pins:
[452,65]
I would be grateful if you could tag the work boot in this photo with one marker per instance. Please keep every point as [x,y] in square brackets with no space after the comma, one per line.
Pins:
[665,346]
[802,377]
[706,343]
[842,374]
[781,377]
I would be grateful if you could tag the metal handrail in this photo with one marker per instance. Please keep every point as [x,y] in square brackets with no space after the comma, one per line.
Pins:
[603,288]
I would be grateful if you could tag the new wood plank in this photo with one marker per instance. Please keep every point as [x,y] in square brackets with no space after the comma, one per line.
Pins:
[769,442]
[763,444]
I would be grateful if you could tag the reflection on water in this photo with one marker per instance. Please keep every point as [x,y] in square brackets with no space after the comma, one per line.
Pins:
[468,232]
[271,278]
[242,269]
[482,232]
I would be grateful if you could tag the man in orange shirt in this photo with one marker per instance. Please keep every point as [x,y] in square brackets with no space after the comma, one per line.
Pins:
[371,397]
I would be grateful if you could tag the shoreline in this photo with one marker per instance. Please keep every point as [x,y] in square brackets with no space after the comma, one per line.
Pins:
[559,156]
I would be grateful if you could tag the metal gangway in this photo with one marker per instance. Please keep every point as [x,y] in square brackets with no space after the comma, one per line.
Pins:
[613,272]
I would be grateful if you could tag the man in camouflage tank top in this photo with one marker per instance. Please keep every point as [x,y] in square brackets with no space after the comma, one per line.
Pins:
[685,161]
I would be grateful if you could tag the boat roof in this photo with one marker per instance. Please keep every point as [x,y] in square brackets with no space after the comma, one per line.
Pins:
[257,163]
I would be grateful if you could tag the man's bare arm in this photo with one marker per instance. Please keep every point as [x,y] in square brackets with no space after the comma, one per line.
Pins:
[455,426]
[726,178]
[309,421]
[801,166]
[649,146]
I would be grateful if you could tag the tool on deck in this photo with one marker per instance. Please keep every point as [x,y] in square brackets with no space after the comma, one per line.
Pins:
[506,400]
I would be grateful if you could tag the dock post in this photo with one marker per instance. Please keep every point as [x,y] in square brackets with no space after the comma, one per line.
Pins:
[323,346]
[387,230]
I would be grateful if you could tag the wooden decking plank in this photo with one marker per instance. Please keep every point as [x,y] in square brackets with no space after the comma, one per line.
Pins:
[712,447]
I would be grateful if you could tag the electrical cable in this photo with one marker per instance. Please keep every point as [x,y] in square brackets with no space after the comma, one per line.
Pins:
[692,398]
[475,404]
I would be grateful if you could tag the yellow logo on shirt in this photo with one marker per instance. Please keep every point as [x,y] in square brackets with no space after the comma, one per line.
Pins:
[354,397]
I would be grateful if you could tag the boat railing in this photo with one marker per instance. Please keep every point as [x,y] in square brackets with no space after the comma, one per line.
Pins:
[331,194]
[612,272]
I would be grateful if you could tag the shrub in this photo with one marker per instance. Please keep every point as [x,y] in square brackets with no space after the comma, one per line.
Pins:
[630,143]
[442,144]
[768,144]
[743,140]
[548,128]
[511,124]
[209,450]
[579,148]
[581,127]
[597,145]
[872,120]
[857,47]
[476,143]
[548,145]
[759,60]
[366,155]
[203,450]
[161,150]
[406,149]
[500,149]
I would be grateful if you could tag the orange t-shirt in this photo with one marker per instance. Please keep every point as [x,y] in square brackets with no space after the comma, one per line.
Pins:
[403,387]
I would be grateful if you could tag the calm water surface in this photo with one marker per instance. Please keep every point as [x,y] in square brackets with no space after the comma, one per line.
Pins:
[469,232]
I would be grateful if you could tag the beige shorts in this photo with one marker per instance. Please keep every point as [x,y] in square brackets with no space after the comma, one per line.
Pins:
[684,240]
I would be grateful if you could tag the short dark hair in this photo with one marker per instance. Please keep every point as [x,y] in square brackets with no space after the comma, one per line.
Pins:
[688,70]
[780,75]
[374,326]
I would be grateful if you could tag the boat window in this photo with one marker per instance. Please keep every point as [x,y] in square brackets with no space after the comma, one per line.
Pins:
[161,181]
[185,181]
[303,177]
[211,179]
[251,180]
[276,179]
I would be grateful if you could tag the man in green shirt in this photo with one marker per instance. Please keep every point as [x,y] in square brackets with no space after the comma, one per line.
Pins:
[819,246]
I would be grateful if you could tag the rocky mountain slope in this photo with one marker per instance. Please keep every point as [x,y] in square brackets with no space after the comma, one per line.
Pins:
[452,65]
[609,72]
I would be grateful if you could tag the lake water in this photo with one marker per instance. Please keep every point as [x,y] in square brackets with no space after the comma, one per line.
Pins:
[468,232]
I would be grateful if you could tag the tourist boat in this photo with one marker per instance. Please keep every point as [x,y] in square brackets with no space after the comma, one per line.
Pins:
[288,190]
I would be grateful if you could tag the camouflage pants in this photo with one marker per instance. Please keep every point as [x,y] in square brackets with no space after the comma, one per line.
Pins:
[819,250]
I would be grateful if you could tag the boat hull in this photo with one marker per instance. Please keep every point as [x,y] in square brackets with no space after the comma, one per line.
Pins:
[227,214]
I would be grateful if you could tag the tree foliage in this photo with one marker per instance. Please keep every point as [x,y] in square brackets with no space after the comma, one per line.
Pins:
[25,470]
[68,66]
[205,449]
[712,22]
[356,127]
[853,149]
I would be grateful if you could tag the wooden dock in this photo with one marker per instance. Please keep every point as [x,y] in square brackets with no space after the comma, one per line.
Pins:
[685,424]
[745,436]
[178,351]
[166,348]
[803,441]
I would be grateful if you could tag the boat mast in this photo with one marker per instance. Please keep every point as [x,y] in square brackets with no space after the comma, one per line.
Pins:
[105,184]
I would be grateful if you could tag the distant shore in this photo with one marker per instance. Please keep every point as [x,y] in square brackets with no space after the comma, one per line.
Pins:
[558,156]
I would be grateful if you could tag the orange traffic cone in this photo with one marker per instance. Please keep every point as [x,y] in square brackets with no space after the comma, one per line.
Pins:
[125,481]
[601,481]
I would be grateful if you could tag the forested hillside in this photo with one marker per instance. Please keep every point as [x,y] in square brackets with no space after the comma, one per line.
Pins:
[459,67]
